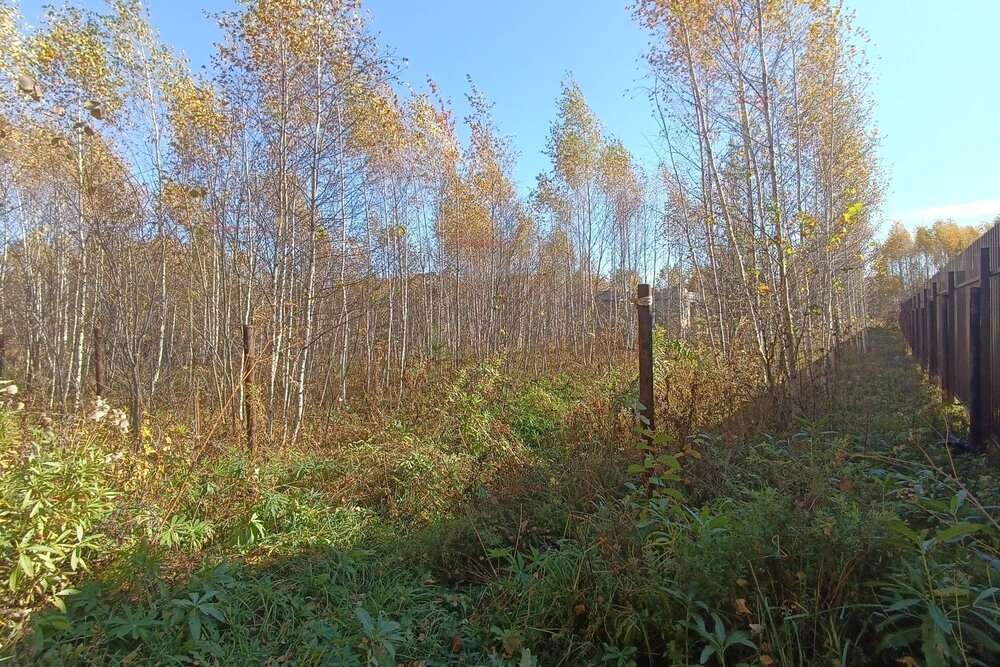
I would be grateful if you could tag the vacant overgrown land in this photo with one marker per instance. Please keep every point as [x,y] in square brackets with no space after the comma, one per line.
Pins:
[502,519]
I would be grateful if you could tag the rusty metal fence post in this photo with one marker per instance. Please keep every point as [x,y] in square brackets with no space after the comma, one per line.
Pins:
[644,306]
[101,385]
[249,381]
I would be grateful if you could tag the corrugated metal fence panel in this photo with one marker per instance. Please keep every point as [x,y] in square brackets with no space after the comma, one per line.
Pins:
[963,363]
[952,338]
[994,370]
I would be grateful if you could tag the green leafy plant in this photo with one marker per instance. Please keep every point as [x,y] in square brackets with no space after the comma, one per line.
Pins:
[380,638]
[199,609]
[718,639]
[929,601]
[53,503]
[619,657]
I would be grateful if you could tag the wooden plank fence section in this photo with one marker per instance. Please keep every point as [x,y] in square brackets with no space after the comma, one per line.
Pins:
[952,325]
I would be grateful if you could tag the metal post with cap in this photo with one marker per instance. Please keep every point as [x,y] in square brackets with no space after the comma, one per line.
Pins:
[100,383]
[644,308]
[249,382]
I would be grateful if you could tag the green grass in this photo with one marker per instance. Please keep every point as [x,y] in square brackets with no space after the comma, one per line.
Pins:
[498,523]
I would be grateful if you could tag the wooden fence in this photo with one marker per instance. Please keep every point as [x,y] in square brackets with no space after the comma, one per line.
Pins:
[952,325]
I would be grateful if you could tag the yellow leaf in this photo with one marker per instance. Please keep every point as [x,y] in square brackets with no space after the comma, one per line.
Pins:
[766,660]
[763,289]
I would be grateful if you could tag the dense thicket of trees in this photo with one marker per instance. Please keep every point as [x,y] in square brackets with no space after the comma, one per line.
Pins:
[773,175]
[296,190]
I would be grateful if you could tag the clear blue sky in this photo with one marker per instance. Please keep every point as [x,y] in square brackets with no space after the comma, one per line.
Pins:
[937,86]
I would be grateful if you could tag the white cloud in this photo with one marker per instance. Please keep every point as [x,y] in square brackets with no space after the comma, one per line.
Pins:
[973,211]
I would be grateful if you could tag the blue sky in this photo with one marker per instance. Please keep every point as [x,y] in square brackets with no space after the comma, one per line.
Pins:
[937,84]
[938,97]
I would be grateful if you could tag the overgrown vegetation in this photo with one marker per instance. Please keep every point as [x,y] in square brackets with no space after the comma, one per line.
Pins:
[508,521]
[433,365]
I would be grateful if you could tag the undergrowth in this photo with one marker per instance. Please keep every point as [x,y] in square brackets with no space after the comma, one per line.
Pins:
[507,521]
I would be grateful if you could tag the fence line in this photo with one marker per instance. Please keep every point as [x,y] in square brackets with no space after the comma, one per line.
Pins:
[951,324]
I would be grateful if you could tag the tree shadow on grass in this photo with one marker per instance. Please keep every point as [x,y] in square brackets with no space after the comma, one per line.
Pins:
[870,383]
[386,591]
